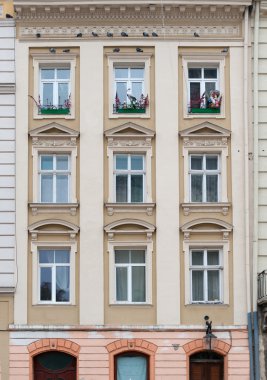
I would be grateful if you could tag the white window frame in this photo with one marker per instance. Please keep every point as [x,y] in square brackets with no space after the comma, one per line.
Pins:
[36,246]
[53,61]
[129,267]
[147,154]
[128,79]
[72,153]
[223,246]
[55,82]
[53,267]
[205,268]
[54,172]
[204,172]
[204,60]
[129,173]
[129,60]
[147,246]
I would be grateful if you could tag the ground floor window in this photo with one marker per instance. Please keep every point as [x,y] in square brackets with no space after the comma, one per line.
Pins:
[54,365]
[206,365]
[131,366]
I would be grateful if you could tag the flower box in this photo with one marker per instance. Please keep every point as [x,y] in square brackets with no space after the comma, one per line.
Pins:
[54,111]
[130,110]
[205,110]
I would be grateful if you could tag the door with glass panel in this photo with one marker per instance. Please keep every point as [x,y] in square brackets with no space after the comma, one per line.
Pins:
[54,365]
[131,366]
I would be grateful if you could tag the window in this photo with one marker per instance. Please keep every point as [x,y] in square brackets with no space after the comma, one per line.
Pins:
[54,275]
[204,86]
[55,89]
[129,85]
[204,94]
[54,177]
[205,274]
[130,267]
[204,176]
[129,176]
[130,89]
[131,366]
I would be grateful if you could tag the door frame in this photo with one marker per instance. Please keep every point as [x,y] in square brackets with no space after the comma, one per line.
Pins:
[207,361]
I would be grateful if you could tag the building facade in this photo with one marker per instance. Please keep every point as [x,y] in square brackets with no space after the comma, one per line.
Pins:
[133,196]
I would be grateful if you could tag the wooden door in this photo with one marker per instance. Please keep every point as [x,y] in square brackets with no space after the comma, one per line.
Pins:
[206,370]
[54,366]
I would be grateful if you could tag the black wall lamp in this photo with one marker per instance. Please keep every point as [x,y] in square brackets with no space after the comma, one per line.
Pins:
[208,338]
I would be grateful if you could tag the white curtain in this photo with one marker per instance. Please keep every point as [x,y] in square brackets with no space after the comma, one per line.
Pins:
[132,368]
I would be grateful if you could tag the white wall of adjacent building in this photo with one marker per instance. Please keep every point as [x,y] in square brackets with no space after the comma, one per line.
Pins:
[7,155]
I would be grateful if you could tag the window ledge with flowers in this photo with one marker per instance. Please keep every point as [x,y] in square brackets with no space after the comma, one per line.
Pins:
[208,103]
[50,109]
[132,105]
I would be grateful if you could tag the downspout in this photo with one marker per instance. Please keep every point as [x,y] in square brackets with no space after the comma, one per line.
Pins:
[256,186]
[246,196]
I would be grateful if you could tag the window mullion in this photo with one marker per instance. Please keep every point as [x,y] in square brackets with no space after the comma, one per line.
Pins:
[129,272]
[54,282]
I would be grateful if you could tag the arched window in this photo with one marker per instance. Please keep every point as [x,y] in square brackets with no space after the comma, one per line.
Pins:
[54,365]
[131,365]
[206,365]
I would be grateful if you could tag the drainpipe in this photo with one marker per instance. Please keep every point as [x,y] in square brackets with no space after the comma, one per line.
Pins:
[246,195]
[256,187]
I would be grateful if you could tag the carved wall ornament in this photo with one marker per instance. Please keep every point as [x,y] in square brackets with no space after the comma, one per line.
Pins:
[189,142]
[133,31]
[42,142]
[112,142]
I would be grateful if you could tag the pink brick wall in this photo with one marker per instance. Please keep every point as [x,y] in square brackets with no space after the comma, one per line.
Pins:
[94,349]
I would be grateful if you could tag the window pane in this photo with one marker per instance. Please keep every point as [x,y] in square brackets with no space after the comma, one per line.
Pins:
[46,162]
[122,257]
[213,286]
[62,188]
[63,73]
[196,162]
[137,89]
[195,95]
[213,258]
[210,86]
[137,257]
[136,162]
[212,188]
[121,188]
[48,94]
[196,188]
[62,162]
[45,284]
[194,73]
[131,367]
[121,284]
[62,284]
[46,188]
[47,73]
[197,258]
[63,93]
[62,256]
[46,256]
[121,73]
[211,162]
[121,162]
[136,188]
[210,73]
[197,285]
[121,90]
[137,72]
[138,284]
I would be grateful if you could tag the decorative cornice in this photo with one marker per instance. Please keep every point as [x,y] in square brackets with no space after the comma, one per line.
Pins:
[172,20]
[205,142]
[113,208]
[222,207]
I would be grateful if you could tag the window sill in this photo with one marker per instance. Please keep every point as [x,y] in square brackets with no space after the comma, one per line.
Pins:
[199,304]
[45,208]
[220,207]
[113,208]
[142,304]
[53,116]
[54,304]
